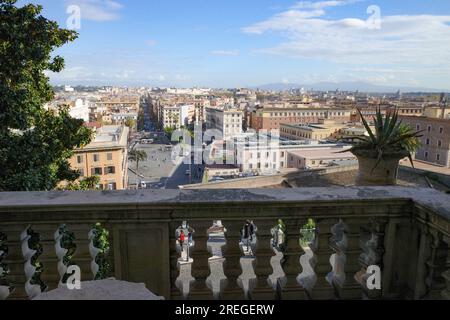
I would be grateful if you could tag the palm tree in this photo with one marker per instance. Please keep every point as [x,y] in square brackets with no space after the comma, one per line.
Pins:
[137,156]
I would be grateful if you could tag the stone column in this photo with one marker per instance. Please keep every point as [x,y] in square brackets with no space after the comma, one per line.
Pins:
[321,259]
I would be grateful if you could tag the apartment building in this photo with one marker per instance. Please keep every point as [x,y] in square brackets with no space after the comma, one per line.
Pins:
[110,103]
[437,112]
[227,120]
[273,118]
[268,154]
[322,130]
[106,156]
[435,141]
[177,116]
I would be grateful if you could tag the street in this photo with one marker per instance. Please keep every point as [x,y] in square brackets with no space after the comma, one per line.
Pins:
[162,169]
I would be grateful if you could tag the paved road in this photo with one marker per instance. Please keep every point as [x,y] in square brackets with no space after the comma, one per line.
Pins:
[162,170]
[180,176]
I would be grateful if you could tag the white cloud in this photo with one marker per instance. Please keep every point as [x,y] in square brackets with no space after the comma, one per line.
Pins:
[225,52]
[402,39]
[151,43]
[322,4]
[98,10]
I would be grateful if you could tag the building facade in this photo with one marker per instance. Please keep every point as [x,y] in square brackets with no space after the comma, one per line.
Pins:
[106,157]
[435,141]
[323,130]
[226,120]
[319,158]
[273,118]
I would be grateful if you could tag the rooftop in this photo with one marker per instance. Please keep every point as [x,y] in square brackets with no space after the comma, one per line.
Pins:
[324,153]
[109,137]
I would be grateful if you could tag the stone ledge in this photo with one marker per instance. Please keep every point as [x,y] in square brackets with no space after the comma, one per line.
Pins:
[435,200]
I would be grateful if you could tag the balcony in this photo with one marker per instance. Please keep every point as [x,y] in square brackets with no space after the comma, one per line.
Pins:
[406,232]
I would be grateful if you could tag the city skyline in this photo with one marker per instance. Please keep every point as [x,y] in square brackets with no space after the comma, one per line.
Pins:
[185,44]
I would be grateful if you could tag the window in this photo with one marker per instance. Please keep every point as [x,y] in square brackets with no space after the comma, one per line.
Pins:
[109,156]
[441,130]
[81,172]
[96,158]
[428,142]
[80,159]
[112,186]
[426,155]
[418,127]
[438,157]
[429,128]
[440,143]
[96,171]
[110,170]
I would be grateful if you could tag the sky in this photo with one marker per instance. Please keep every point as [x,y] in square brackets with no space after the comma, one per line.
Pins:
[246,43]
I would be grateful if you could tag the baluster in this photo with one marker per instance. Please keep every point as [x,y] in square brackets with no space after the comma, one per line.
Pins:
[31,250]
[185,244]
[373,251]
[351,289]
[248,245]
[200,266]
[422,255]
[65,248]
[6,289]
[278,243]
[264,255]
[307,278]
[321,259]
[217,280]
[99,249]
[291,265]
[232,266]
[446,275]
[338,243]
[437,265]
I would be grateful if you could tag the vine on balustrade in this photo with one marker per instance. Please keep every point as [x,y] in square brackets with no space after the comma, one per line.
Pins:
[34,244]
[100,241]
[307,233]
[67,242]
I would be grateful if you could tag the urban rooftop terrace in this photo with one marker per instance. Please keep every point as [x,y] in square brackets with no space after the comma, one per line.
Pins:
[404,231]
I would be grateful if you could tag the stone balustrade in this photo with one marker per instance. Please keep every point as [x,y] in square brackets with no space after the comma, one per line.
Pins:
[406,232]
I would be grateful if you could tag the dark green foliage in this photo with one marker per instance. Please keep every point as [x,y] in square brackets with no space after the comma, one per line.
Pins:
[390,136]
[34,143]
[101,242]
[89,183]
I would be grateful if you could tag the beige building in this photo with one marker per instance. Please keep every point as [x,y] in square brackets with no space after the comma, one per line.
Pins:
[106,156]
[226,120]
[435,141]
[321,131]
[177,116]
[319,158]
[273,118]
[437,112]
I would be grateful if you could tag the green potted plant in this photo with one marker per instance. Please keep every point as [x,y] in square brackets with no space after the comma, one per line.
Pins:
[380,152]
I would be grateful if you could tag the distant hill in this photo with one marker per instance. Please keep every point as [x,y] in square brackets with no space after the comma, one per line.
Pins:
[344,86]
